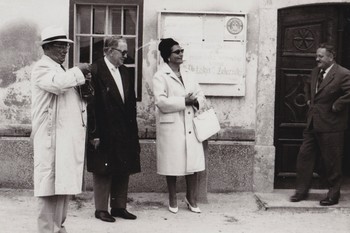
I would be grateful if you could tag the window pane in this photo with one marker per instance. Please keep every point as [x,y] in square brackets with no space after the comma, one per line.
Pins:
[83,19]
[84,49]
[131,51]
[97,49]
[130,17]
[99,14]
[92,27]
[116,16]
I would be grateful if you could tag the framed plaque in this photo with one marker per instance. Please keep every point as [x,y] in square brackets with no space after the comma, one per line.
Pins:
[215,48]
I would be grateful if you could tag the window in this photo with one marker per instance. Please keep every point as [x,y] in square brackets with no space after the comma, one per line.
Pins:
[92,21]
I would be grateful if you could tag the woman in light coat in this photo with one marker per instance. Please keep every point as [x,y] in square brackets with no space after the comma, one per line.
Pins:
[177,98]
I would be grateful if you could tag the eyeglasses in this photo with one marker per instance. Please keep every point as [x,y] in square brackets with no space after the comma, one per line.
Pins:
[61,46]
[121,51]
[178,51]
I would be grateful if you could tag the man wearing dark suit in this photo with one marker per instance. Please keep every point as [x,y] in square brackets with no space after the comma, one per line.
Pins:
[113,149]
[328,99]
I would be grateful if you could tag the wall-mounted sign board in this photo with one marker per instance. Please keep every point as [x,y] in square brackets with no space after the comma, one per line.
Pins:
[215,48]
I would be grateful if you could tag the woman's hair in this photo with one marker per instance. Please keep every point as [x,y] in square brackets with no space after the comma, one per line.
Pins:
[165,46]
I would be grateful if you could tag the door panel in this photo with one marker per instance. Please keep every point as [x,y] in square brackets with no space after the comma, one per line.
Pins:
[300,31]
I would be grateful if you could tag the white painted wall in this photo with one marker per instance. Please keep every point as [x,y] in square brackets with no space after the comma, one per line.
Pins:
[233,112]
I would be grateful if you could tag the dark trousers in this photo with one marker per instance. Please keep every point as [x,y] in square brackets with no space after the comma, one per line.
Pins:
[114,187]
[330,147]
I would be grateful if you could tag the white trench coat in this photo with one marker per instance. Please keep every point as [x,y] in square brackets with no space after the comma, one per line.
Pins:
[58,133]
[178,150]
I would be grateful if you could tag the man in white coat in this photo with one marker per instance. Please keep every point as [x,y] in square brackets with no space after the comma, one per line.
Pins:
[58,130]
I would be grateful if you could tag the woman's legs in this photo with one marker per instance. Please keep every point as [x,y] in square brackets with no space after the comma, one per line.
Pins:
[191,191]
[171,182]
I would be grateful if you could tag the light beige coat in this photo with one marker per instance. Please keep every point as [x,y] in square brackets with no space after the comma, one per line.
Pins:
[178,150]
[57,129]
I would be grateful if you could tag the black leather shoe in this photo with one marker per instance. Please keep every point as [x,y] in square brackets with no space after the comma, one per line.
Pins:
[329,201]
[298,197]
[122,213]
[104,216]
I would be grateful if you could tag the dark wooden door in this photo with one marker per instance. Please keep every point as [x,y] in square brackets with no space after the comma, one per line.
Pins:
[300,31]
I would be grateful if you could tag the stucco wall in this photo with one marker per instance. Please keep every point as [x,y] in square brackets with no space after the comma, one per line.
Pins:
[248,118]
[20,26]
[229,167]
[22,21]
[230,163]
[236,114]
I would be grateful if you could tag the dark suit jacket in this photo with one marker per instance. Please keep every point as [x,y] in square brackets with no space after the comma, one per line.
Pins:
[114,122]
[334,91]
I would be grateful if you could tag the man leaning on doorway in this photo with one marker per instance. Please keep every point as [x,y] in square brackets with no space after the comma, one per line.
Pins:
[327,119]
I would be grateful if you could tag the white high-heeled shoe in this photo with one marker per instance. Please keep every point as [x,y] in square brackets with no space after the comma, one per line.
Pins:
[191,208]
[173,209]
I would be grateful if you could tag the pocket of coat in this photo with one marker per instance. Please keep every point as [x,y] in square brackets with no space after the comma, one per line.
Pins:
[167,118]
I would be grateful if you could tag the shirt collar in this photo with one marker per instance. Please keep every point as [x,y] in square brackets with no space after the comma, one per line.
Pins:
[327,70]
[51,60]
[109,64]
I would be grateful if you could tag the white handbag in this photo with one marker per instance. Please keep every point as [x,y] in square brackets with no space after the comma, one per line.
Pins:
[206,124]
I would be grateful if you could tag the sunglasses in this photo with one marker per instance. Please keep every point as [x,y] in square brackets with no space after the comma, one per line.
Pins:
[61,46]
[122,52]
[178,51]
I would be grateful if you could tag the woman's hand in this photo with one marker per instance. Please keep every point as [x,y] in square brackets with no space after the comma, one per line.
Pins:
[190,99]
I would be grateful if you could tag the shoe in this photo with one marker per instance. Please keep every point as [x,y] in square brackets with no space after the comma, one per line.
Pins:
[104,216]
[298,197]
[329,201]
[191,208]
[122,213]
[173,210]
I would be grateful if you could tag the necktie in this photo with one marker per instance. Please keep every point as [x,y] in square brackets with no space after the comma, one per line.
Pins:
[320,79]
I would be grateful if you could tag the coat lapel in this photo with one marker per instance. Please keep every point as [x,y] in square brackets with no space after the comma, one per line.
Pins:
[172,75]
[329,77]
[125,81]
[185,77]
[110,84]
[313,83]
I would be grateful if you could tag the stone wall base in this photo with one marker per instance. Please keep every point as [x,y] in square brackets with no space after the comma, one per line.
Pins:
[230,167]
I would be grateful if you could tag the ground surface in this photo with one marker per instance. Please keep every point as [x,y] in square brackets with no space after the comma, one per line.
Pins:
[225,213]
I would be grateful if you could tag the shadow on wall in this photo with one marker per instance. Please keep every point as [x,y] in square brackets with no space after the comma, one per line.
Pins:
[19,50]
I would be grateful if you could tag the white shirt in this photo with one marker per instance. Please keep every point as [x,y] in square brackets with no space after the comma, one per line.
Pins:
[116,76]
[327,70]
[324,75]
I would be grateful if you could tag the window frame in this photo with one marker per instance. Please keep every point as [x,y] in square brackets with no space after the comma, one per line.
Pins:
[139,33]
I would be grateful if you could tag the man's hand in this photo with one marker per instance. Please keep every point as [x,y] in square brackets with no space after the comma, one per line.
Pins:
[85,68]
[88,77]
[190,99]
